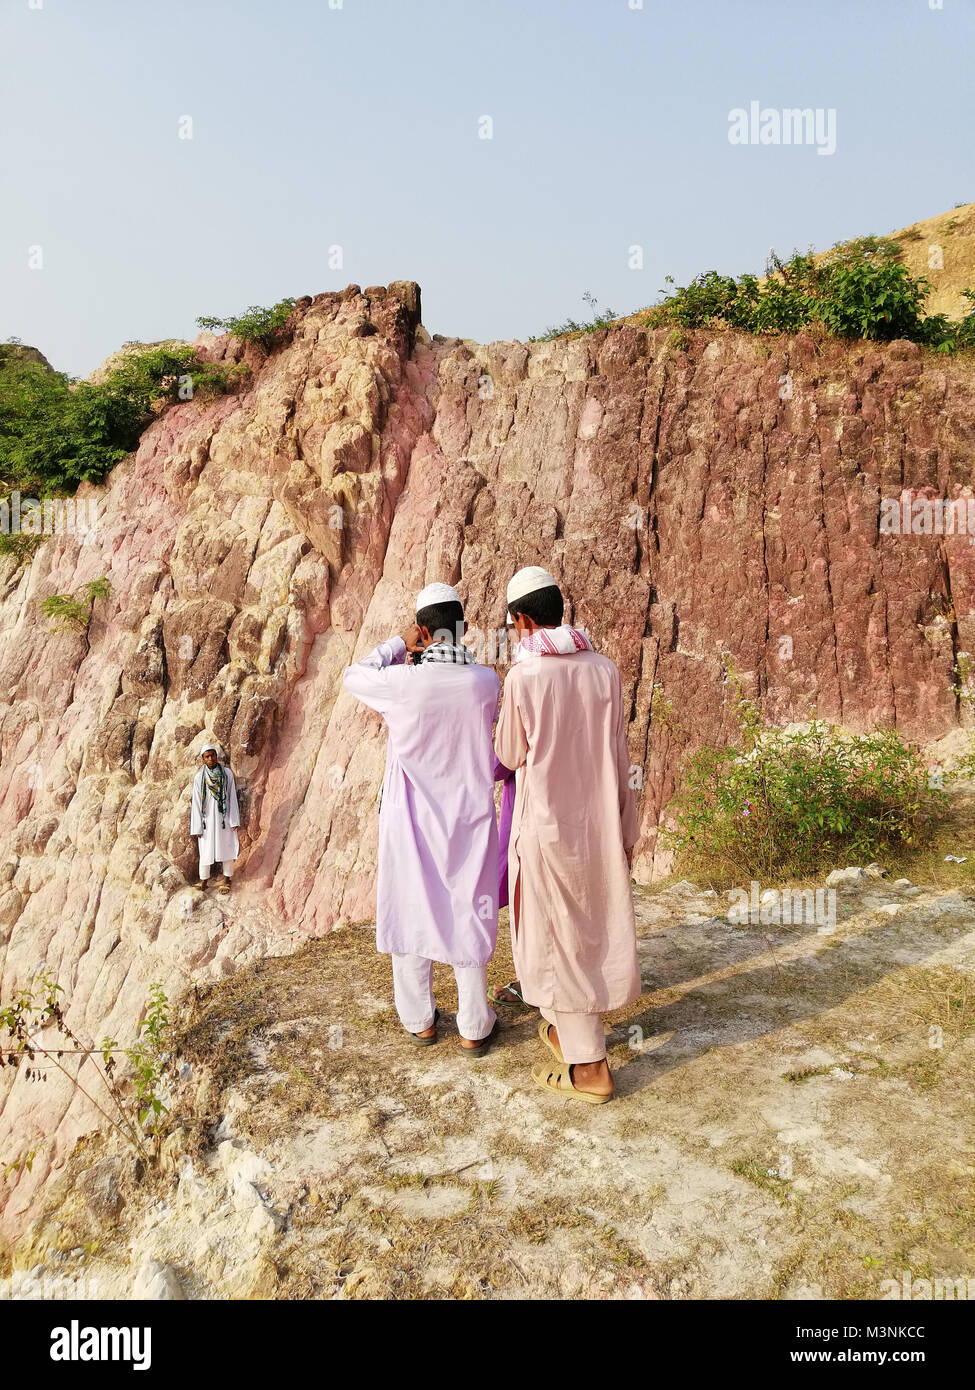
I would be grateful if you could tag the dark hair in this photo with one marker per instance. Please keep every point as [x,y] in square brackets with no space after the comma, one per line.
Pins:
[443,619]
[545,606]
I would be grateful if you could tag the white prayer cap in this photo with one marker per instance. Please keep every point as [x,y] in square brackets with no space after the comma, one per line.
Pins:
[210,748]
[436,593]
[527,581]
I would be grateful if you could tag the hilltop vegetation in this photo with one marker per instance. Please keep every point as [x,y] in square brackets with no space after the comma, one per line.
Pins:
[916,284]
[56,431]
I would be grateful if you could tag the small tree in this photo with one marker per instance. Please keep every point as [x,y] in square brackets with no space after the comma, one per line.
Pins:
[136,1118]
[70,612]
[255,325]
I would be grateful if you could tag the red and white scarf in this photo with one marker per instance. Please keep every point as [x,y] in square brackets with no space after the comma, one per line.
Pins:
[553,641]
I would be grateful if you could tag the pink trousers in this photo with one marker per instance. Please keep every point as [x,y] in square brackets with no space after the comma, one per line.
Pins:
[582,1037]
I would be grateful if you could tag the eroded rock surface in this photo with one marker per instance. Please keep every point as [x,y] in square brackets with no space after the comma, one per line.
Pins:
[690,501]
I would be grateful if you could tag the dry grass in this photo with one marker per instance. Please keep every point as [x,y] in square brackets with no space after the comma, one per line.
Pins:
[793,1114]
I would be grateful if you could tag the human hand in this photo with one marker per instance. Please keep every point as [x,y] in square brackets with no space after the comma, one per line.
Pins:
[416,638]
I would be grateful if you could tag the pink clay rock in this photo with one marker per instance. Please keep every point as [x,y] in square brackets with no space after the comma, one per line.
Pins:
[257,543]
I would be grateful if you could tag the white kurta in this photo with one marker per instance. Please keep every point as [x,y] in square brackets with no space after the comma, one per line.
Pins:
[218,840]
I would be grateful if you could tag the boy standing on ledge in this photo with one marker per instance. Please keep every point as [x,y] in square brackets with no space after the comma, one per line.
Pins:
[214,817]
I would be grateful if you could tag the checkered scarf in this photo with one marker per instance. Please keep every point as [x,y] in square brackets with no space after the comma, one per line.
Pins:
[449,652]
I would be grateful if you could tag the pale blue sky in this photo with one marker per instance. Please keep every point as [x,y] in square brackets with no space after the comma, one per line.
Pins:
[358,126]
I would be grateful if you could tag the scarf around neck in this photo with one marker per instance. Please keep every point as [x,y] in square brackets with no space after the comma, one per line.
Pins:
[447,651]
[553,641]
[215,781]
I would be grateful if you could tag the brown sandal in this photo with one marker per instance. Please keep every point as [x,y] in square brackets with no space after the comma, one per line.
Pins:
[543,1033]
[551,1079]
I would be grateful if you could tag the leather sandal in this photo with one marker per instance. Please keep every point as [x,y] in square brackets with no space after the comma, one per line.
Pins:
[543,1032]
[559,1080]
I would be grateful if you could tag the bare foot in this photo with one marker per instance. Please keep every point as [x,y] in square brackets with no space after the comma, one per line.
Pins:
[594,1077]
[507,994]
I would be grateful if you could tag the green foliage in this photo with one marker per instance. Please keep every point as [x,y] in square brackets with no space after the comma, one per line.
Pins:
[56,433]
[859,289]
[169,373]
[869,298]
[70,612]
[25,1160]
[135,1106]
[790,803]
[147,1056]
[254,325]
[600,319]
[19,545]
[964,688]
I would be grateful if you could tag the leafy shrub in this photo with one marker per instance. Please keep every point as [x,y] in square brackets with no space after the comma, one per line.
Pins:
[254,325]
[135,1107]
[69,612]
[859,289]
[56,433]
[600,319]
[868,298]
[790,803]
[21,546]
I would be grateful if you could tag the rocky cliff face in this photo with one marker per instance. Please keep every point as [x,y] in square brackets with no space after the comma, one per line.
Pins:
[695,495]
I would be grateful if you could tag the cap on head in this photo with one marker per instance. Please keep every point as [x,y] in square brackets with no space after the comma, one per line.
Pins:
[528,581]
[210,748]
[434,594]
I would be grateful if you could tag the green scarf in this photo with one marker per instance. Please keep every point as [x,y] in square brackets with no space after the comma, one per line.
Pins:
[216,781]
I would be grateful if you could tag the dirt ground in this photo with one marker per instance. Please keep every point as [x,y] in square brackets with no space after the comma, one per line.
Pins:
[793,1120]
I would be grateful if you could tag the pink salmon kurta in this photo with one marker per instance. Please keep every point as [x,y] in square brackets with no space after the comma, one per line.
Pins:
[437,884]
[562,725]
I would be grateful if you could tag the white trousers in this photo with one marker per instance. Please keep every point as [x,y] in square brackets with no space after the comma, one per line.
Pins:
[415,1004]
[228,868]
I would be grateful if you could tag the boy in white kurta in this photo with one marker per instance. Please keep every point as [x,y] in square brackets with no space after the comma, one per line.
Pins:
[214,817]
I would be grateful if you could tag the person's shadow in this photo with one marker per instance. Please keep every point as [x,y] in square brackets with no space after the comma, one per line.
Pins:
[792,990]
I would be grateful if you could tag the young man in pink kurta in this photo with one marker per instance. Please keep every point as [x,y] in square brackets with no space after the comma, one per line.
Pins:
[563,727]
[437,891]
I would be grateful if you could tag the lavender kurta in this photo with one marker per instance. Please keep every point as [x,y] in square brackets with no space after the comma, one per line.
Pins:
[507,777]
[437,886]
[563,726]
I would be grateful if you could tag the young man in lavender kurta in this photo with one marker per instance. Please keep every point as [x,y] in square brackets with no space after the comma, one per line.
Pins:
[563,729]
[437,888]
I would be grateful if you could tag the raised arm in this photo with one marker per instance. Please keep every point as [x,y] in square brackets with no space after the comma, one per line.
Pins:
[368,680]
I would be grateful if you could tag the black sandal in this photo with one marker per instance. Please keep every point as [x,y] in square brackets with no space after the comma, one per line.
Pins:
[417,1041]
[484,1045]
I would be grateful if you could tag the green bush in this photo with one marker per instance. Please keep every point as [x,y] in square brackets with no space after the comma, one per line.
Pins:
[789,804]
[56,433]
[68,612]
[868,298]
[254,325]
[859,289]
[601,318]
